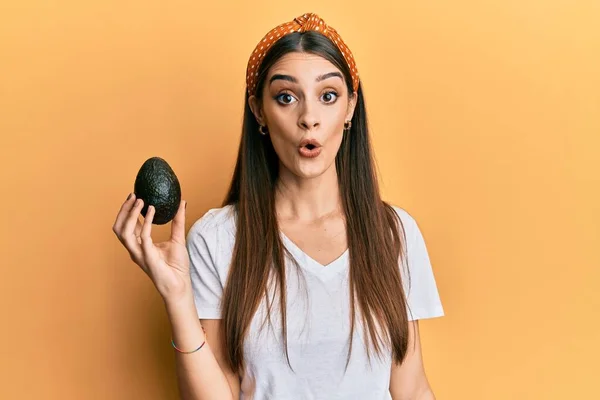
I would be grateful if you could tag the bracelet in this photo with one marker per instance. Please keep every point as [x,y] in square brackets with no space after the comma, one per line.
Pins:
[193,351]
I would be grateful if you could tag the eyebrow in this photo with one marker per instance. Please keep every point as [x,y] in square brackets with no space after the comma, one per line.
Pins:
[290,78]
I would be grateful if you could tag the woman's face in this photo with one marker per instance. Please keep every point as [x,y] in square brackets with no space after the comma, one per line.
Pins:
[305,100]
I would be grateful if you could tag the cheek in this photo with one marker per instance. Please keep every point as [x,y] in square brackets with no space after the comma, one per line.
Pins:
[283,142]
[336,119]
[279,119]
[282,147]
[282,132]
[336,128]
[335,140]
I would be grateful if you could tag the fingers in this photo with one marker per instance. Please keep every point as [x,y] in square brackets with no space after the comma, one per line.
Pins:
[178,224]
[123,213]
[146,233]
[151,253]
[128,235]
[138,231]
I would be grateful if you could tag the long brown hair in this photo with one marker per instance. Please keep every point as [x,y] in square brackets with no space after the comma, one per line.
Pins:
[375,234]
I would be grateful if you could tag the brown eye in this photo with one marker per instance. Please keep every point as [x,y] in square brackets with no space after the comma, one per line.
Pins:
[330,97]
[285,98]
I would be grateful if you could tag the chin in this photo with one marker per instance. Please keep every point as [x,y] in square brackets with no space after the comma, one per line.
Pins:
[310,169]
[309,174]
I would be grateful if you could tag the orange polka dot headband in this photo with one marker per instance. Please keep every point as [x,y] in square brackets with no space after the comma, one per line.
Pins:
[303,23]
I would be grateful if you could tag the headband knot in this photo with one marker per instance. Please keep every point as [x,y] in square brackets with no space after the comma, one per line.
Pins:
[310,22]
[304,23]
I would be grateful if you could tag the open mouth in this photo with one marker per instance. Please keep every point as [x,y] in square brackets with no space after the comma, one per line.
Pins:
[310,143]
[310,148]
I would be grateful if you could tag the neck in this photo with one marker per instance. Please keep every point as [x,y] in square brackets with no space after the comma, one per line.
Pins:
[303,199]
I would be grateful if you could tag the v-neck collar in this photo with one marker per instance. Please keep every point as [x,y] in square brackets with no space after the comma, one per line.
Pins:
[309,263]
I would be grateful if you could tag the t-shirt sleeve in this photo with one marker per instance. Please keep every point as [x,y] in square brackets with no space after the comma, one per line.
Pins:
[423,299]
[206,283]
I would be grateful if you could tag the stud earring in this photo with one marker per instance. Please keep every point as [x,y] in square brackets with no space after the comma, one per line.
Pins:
[347,125]
[261,130]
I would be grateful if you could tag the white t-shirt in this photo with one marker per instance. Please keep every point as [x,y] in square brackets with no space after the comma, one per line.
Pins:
[317,317]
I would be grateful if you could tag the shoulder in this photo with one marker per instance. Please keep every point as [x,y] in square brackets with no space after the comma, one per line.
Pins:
[409,224]
[404,215]
[213,234]
[213,222]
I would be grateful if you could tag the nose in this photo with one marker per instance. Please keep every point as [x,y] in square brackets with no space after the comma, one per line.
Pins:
[309,118]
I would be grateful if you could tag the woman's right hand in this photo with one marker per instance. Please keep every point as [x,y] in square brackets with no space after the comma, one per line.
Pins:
[166,263]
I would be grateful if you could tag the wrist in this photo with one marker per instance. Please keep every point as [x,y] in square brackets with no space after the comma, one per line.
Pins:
[182,304]
[175,290]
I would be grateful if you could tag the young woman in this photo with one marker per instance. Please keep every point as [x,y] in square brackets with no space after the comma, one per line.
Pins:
[305,284]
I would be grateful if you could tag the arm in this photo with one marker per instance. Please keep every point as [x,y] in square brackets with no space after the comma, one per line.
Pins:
[212,327]
[200,375]
[408,380]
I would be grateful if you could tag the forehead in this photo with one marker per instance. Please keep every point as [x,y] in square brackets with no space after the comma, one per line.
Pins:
[302,65]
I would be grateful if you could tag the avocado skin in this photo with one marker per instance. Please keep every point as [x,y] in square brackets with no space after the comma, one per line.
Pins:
[156,184]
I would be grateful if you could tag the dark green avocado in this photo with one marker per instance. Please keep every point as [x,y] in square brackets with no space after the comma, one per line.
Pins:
[157,185]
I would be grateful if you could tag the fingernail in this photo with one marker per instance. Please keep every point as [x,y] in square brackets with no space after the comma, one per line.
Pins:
[128,197]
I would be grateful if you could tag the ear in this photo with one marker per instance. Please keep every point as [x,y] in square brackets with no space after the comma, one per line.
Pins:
[351,106]
[256,107]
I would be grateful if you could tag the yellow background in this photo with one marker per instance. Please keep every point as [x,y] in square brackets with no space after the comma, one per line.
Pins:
[486,123]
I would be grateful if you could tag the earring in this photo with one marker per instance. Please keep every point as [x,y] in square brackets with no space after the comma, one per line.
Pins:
[262,132]
[347,125]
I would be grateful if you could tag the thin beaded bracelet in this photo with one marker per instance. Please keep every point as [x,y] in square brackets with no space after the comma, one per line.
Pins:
[193,351]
